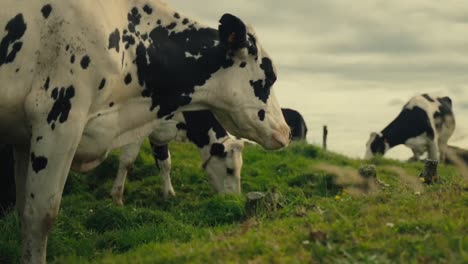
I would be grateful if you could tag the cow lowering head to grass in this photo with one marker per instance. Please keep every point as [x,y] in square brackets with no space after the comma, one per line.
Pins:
[425,124]
[82,77]
[221,153]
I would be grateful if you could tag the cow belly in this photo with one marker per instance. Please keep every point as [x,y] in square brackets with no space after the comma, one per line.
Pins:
[418,144]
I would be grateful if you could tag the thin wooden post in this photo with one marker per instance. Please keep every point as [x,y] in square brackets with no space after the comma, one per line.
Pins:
[325,135]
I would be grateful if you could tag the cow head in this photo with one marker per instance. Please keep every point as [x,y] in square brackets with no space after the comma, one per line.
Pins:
[224,166]
[183,66]
[245,103]
[376,145]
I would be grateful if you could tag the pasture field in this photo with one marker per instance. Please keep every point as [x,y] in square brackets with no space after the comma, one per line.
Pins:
[312,218]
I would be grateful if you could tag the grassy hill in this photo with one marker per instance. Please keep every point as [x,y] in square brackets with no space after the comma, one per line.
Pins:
[316,216]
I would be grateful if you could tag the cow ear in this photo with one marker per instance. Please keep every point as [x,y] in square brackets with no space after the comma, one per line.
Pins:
[217,150]
[232,32]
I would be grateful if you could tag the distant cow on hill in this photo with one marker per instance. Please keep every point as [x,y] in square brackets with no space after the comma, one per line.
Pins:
[424,125]
[296,123]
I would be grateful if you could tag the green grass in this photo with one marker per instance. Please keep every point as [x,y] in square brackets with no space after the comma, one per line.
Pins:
[316,219]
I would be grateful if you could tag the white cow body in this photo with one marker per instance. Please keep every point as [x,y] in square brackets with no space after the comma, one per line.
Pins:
[80,78]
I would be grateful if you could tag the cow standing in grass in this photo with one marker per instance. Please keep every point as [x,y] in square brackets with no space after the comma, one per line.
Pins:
[221,153]
[80,78]
[424,125]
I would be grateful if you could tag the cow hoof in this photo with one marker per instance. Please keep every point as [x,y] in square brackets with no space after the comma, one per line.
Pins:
[169,195]
[118,201]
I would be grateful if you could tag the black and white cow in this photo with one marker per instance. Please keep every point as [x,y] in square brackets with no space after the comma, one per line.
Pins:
[80,78]
[424,125]
[296,123]
[221,154]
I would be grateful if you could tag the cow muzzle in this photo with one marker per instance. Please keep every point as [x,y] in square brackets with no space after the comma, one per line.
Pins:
[281,138]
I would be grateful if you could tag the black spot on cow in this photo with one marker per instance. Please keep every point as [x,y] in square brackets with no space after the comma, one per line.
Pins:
[243,64]
[160,152]
[17,70]
[176,15]
[134,18]
[144,36]
[67,47]
[46,10]
[38,162]
[128,79]
[62,105]
[198,124]
[171,26]
[128,40]
[11,44]
[229,171]
[185,21]
[114,40]
[85,62]
[161,63]
[32,196]
[427,97]
[159,22]
[262,87]
[72,59]
[261,115]
[39,139]
[111,104]
[46,84]
[102,84]
[148,10]
[217,150]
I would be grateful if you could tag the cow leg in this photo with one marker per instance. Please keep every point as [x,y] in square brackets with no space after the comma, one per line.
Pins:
[433,150]
[49,164]
[127,157]
[162,157]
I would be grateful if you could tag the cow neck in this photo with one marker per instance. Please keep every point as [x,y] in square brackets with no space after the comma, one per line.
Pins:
[393,133]
[172,63]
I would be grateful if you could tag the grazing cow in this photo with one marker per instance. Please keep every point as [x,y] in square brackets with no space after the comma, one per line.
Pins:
[296,123]
[425,124]
[80,78]
[222,154]
[7,178]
